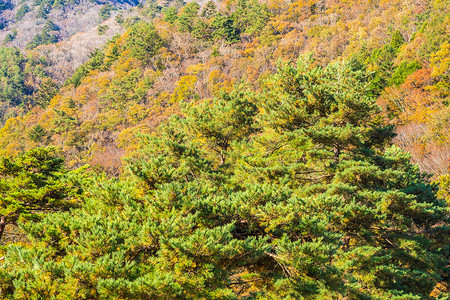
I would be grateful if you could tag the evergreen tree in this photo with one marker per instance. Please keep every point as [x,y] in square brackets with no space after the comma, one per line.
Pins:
[12,77]
[21,12]
[37,133]
[186,19]
[32,184]
[96,61]
[397,40]
[50,26]
[144,42]
[209,10]
[224,28]
[251,16]
[47,90]
[289,193]
[405,69]
[170,14]
[105,12]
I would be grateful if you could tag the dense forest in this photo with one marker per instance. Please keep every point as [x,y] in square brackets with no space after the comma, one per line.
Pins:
[241,149]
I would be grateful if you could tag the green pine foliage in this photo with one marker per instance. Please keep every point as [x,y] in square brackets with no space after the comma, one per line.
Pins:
[186,19]
[223,28]
[18,74]
[105,12]
[50,26]
[287,186]
[10,37]
[290,192]
[37,134]
[48,35]
[12,86]
[95,62]
[33,184]
[23,10]
[405,69]
[397,40]
[44,38]
[144,42]
[47,90]
[209,10]
[170,14]
[249,18]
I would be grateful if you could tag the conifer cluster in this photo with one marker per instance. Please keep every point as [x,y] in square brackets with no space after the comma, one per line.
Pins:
[291,192]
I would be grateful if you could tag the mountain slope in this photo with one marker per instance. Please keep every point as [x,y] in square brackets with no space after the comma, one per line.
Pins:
[208,49]
[291,191]
[236,150]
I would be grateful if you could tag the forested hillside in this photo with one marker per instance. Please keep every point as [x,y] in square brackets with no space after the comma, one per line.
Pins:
[230,150]
[57,38]
[31,23]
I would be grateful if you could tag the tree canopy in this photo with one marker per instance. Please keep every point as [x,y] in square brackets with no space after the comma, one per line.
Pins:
[294,192]
[239,149]
[33,184]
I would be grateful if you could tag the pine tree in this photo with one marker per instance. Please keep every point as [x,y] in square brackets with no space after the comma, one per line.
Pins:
[32,184]
[209,10]
[37,133]
[144,42]
[187,16]
[289,193]
[47,90]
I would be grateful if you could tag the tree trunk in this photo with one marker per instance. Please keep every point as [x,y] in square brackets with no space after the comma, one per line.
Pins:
[2,226]
[337,153]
